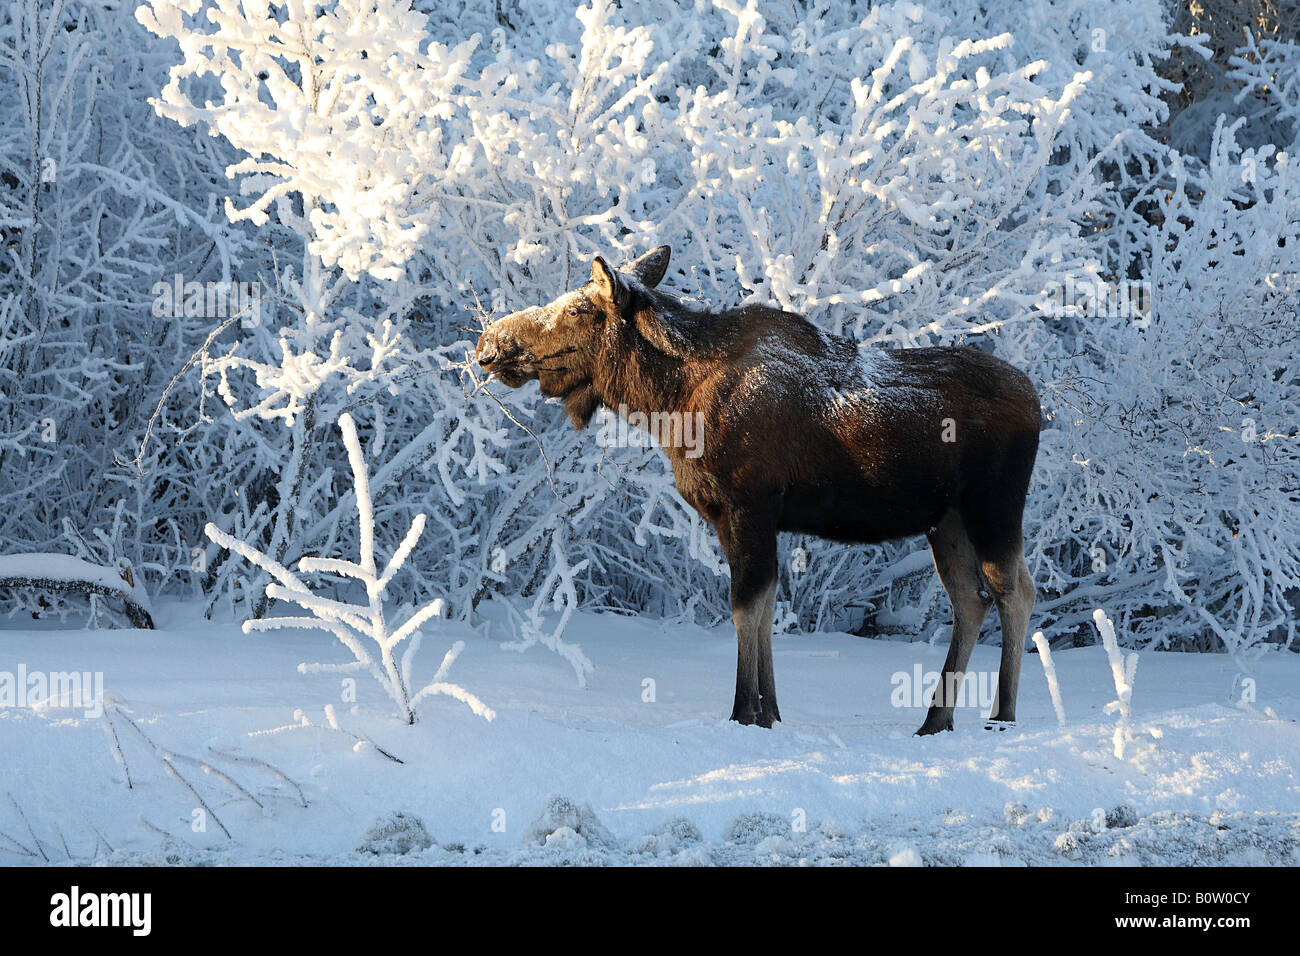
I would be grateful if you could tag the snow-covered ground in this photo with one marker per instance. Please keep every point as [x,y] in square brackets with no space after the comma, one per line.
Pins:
[605,774]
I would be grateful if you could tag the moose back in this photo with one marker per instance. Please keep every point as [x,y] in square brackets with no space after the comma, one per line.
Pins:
[804,432]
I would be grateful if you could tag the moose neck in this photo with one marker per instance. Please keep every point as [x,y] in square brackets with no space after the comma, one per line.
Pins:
[640,375]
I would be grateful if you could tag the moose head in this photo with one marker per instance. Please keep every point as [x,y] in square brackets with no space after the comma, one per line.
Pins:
[566,344]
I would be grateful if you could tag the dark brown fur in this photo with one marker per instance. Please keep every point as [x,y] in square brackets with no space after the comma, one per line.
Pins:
[805,432]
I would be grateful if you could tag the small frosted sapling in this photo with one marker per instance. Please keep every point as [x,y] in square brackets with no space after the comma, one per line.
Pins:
[361,628]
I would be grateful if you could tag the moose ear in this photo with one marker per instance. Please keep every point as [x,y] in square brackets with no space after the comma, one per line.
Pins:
[649,269]
[659,335]
[608,282]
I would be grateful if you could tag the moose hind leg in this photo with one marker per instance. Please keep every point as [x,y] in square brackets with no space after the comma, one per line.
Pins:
[766,675]
[1013,590]
[755,682]
[753,660]
[959,572]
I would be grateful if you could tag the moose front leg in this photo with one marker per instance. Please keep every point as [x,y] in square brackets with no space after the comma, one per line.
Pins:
[749,542]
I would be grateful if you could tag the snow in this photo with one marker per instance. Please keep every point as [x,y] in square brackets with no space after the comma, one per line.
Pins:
[599,775]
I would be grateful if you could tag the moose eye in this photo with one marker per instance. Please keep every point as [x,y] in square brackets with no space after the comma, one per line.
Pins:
[572,310]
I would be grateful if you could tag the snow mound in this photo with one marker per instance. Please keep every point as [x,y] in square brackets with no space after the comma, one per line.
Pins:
[1170,838]
[906,856]
[753,828]
[669,838]
[567,825]
[1121,816]
[398,833]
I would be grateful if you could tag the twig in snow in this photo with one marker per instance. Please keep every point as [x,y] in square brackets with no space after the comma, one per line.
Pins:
[1122,671]
[166,758]
[304,724]
[26,851]
[118,755]
[334,724]
[177,775]
[1049,668]
[214,772]
[164,833]
[35,839]
[254,762]
[63,842]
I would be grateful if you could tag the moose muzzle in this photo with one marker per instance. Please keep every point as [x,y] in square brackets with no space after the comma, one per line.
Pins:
[501,351]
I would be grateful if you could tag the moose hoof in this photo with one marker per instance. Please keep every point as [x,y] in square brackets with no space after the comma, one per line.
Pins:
[996,723]
[771,714]
[935,724]
[747,717]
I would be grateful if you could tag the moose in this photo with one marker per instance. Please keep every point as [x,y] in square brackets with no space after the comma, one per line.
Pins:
[805,432]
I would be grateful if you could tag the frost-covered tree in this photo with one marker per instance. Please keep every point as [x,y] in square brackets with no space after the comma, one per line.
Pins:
[99,199]
[906,173]
[1268,70]
[1173,467]
[336,109]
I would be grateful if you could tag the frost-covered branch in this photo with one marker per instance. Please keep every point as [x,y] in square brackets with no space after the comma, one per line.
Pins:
[1123,671]
[361,628]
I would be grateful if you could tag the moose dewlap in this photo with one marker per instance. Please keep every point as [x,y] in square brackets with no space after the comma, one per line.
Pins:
[807,432]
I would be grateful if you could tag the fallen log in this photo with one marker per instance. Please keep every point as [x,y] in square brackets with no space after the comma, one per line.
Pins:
[63,572]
